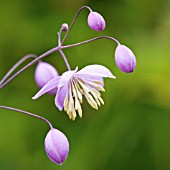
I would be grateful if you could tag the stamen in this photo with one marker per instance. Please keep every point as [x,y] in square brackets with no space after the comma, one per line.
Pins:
[96,92]
[101,100]
[77,104]
[96,86]
[96,97]
[66,103]
[98,82]
[83,85]
[78,91]
[91,101]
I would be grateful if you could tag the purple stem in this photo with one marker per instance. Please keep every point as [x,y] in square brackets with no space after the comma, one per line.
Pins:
[90,40]
[29,65]
[16,65]
[27,113]
[68,31]
[65,59]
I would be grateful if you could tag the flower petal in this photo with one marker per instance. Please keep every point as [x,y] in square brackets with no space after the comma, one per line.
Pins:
[96,70]
[65,78]
[49,86]
[90,78]
[61,95]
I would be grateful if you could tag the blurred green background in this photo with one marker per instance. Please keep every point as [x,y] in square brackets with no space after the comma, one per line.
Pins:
[132,130]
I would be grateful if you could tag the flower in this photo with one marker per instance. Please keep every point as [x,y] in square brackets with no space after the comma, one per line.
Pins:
[44,72]
[96,21]
[56,146]
[125,59]
[72,85]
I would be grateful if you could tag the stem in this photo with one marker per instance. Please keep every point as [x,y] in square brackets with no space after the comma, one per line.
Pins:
[27,113]
[90,40]
[59,38]
[17,65]
[29,65]
[68,31]
[65,59]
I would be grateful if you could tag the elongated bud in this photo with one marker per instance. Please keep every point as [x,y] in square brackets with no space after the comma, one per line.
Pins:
[56,146]
[44,72]
[125,59]
[64,27]
[96,21]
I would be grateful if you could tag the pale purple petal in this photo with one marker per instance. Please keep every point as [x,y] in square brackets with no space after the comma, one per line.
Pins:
[96,70]
[125,59]
[49,86]
[56,146]
[96,21]
[44,72]
[63,87]
[90,78]
[65,78]
[60,96]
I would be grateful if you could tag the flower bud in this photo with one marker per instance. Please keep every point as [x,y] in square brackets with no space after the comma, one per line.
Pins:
[56,146]
[44,72]
[125,59]
[96,21]
[64,27]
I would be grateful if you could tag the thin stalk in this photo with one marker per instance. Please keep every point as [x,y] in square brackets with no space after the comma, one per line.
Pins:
[91,40]
[29,65]
[27,113]
[17,65]
[68,31]
[65,59]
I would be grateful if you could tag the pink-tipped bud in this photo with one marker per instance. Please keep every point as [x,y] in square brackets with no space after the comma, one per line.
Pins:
[56,146]
[45,72]
[96,21]
[64,27]
[125,59]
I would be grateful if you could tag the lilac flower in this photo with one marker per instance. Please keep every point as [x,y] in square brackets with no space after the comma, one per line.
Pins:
[72,85]
[56,146]
[96,21]
[45,72]
[125,59]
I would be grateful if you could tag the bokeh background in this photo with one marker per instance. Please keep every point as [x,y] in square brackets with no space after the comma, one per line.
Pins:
[132,130]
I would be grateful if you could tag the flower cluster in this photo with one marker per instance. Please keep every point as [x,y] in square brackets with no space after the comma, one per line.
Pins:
[71,87]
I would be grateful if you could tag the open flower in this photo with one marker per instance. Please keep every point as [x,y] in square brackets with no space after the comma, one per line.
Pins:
[72,85]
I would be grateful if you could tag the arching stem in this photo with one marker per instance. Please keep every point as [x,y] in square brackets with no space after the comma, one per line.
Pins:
[91,40]
[27,113]
[68,31]
[17,65]
[29,65]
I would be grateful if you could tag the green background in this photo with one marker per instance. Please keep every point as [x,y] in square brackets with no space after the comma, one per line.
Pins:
[132,130]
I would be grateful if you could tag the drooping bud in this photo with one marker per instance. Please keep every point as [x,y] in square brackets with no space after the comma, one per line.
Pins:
[56,146]
[44,72]
[96,21]
[64,27]
[125,59]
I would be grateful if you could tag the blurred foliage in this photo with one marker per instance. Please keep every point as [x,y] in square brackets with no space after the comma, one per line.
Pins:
[132,130]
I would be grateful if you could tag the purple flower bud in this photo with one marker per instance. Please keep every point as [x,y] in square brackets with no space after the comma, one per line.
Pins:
[125,59]
[44,72]
[56,146]
[96,21]
[64,27]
